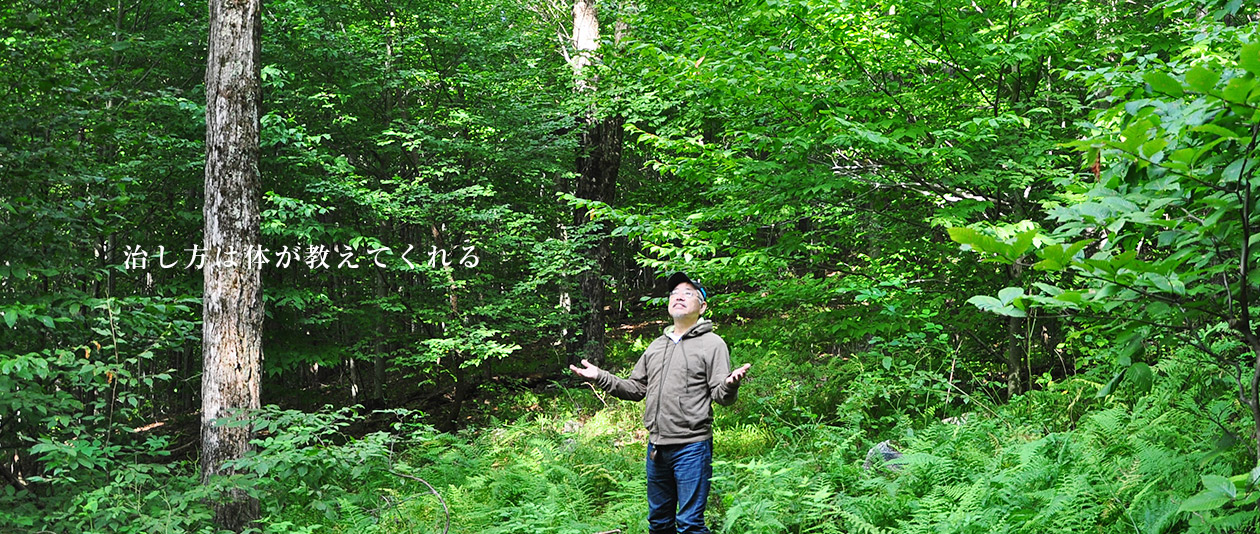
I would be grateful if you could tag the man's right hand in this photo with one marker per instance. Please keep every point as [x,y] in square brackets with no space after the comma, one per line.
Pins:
[587,372]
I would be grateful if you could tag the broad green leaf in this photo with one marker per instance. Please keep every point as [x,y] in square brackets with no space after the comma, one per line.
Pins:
[1160,281]
[1249,58]
[1207,500]
[1074,297]
[1253,277]
[1023,242]
[1106,390]
[1218,130]
[1184,156]
[1106,291]
[1048,289]
[1009,294]
[1049,265]
[1219,484]
[1140,375]
[1163,83]
[985,302]
[1201,79]
[1053,258]
[1133,136]
[1238,89]
[1152,147]
[976,240]
[993,305]
[1076,248]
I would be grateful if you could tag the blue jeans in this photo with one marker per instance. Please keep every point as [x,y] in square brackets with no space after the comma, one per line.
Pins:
[678,487]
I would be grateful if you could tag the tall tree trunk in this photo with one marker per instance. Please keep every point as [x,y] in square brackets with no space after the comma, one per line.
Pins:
[378,360]
[232,301]
[1016,343]
[464,383]
[598,163]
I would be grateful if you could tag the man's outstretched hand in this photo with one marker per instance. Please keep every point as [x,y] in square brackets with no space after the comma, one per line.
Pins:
[736,376]
[587,371]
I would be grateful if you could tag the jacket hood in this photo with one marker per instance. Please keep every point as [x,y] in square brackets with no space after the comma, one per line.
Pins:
[701,327]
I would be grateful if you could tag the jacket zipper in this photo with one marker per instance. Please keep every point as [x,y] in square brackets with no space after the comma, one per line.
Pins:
[668,360]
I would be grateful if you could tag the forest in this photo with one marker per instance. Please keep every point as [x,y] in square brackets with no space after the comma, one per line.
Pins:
[322,267]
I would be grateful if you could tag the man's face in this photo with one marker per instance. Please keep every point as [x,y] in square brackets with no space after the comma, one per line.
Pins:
[685,301]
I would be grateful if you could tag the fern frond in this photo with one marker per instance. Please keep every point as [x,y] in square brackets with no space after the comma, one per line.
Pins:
[856,523]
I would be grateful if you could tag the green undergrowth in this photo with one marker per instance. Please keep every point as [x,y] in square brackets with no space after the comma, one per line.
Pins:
[789,456]
[1148,458]
[1125,465]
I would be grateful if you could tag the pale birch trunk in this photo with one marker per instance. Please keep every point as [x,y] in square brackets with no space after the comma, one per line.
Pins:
[232,301]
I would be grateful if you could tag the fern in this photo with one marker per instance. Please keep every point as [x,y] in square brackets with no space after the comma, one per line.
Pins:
[356,519]
[857,524]
[927,513]
[1153,515]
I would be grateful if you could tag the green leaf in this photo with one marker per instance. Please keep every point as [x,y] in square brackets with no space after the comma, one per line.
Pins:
[1134,346]
[1106,291]
[1220,484]
[985,302]
[1202,80]
[1139,374]
[1161,282]
[1076,248]
[1023,242]
[1238,88]
[1134,136]
[1106,390]
[1163,83]
[1203,501]
[1049,265]
[1152,147]
[1218,130]
[976,240]
[1249,58]
[1184,156]
[993,305]
[1009,294]
[1074,297]
[1048,289]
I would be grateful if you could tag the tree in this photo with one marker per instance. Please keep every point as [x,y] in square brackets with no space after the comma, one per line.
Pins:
[1158,241]
[232,299]
[598,163]
[432,132]
[832,144]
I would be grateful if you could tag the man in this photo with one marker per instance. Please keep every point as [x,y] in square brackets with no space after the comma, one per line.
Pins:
[679,375]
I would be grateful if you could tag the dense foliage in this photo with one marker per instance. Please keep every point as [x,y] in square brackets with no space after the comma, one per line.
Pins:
[1085,361]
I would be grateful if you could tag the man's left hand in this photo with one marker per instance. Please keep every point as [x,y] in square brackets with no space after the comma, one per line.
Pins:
[737,375]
